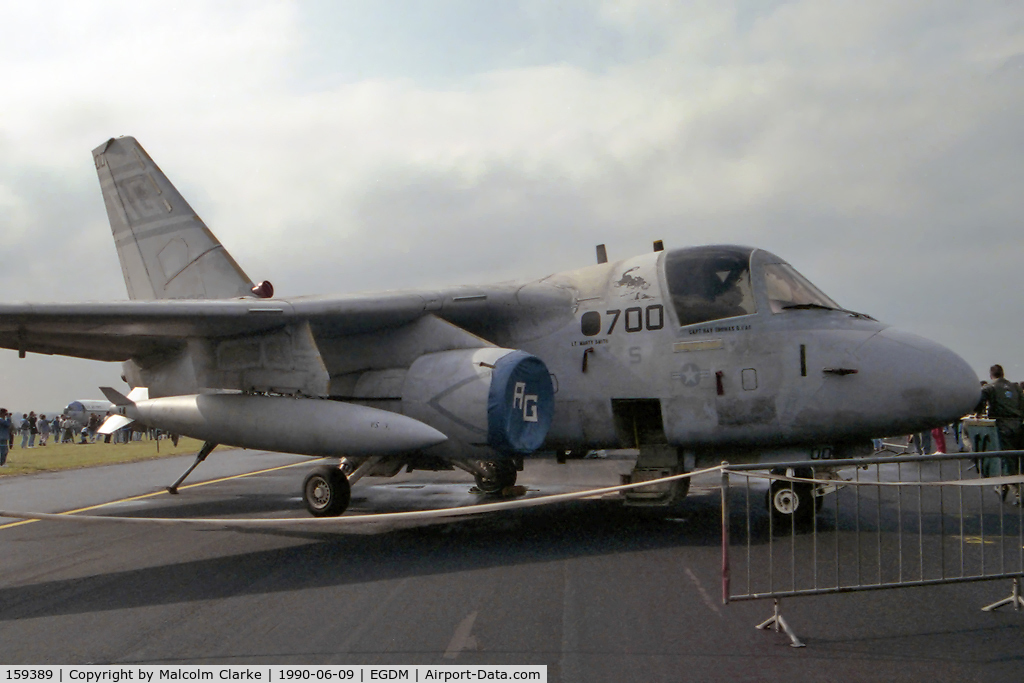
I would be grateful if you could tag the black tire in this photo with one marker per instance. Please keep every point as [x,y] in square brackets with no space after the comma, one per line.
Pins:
[504,475]
[326,492]
[791,506]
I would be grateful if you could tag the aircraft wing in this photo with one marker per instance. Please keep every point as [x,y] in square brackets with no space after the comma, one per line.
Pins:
[117,331]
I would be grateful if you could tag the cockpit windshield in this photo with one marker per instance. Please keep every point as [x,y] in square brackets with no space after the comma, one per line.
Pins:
[789,289]
[709,283]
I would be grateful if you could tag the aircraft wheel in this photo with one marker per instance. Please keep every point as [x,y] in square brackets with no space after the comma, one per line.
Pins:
[790,504]
[503,475]
[326,492]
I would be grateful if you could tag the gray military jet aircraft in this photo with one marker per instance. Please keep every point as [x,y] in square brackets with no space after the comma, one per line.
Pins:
[692,356]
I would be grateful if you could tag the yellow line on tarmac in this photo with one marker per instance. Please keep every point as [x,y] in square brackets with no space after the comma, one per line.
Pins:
[165,492]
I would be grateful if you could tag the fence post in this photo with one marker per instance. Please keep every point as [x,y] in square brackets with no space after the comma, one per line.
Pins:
[725,533]
[1015,599]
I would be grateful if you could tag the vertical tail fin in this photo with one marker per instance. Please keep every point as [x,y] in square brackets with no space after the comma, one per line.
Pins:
[166,250]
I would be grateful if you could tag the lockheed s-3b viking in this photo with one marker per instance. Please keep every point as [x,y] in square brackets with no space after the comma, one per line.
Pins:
[692,356]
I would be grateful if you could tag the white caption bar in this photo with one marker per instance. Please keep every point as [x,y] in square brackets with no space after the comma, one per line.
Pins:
[113,673]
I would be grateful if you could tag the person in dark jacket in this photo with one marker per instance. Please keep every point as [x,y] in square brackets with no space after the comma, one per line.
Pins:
[6,432]
[33,428]
[1004,402]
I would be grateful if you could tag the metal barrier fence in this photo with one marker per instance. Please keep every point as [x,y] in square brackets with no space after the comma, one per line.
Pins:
[886,523]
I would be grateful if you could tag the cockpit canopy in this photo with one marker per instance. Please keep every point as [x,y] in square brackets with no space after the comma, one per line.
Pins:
[787,288]
[715,282]
[709,283]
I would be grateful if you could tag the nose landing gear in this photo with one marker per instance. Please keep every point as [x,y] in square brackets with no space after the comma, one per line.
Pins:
[790,504]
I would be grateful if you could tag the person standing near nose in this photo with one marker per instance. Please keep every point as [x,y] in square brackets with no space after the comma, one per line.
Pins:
[1004,402]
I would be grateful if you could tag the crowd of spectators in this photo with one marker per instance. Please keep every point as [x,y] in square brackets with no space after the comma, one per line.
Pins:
[38,431]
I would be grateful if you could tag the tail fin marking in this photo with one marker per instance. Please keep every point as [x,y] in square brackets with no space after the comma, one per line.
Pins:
[165,249]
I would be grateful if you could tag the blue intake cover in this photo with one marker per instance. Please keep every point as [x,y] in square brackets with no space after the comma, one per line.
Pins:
[520,404]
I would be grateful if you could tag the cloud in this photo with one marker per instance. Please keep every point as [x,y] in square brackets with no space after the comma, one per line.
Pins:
[874,145]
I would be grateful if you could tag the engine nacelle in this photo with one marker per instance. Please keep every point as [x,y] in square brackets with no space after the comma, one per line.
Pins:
[494,398]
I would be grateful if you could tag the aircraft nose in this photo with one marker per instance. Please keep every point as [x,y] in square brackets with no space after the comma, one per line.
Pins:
[928,383]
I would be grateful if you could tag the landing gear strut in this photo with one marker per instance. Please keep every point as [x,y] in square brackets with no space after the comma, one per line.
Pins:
[201,456]
[326,492]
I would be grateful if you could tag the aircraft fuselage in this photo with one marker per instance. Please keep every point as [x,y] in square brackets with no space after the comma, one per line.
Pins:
[775,375]
[719,350]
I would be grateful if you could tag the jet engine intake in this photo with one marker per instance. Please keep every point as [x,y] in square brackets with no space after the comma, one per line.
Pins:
[502,399]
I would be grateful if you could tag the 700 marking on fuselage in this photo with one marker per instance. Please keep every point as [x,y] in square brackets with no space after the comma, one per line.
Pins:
[636,319]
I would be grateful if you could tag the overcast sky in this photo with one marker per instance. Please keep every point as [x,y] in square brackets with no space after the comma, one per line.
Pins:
[350,146]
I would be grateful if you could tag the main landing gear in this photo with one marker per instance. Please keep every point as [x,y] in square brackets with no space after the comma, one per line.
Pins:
[494,476]
[326,491]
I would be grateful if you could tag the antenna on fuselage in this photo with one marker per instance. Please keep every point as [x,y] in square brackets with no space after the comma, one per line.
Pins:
[602,254]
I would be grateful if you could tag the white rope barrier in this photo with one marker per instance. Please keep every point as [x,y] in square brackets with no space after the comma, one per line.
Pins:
[984,481]
[342,521]
[484,508]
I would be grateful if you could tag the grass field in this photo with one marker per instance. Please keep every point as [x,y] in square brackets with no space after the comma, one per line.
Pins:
[67,456]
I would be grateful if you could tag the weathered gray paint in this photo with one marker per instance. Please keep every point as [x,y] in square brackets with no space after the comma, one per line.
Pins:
[166,250]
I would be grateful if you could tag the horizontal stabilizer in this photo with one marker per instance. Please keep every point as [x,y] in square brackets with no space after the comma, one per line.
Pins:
[113,423]
[116,397]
